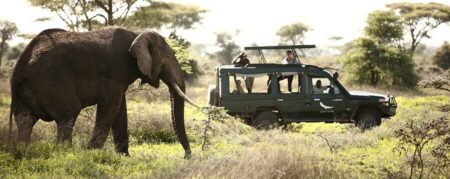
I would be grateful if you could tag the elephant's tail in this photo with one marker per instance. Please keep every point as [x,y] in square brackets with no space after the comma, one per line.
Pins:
[10,122]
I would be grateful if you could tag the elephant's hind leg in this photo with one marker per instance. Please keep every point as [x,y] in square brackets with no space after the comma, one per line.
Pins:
[25,121]
[119,130]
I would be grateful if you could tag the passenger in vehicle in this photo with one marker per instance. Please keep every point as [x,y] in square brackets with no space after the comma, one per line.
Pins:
[289,59]
[242,60]
[318,88]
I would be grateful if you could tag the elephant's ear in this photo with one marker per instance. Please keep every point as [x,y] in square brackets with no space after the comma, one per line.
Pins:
[140,49]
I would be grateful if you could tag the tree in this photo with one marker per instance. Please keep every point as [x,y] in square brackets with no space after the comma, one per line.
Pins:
[14,51]
[384,26]
[228,47]
[293,33]
[183,53]
[158,14]
[420,18]
[419,134]
[7,31]
[369,62]
[81,15]
[377,58]
[442,56]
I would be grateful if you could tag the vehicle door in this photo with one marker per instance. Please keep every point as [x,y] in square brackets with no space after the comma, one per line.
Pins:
[291,103]
[325,97]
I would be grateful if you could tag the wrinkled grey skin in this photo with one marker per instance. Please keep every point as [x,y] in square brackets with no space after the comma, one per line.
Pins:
[59,73]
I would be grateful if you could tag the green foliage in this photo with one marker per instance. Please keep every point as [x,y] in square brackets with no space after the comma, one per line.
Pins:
[370,62]
[214,113]
[293,33]
[419,134]
[384,26]
[159,14]
[183,53]
[439,82]
[81,15]
[228,47]
[235,150]
[14,52]
[420,18]
[7,31]
[145,134]
[442,56]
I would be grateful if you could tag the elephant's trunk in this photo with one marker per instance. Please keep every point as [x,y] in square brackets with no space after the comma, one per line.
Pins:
[177,104]
[172,76]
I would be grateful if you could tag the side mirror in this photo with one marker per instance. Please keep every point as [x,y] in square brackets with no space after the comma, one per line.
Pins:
[335,75]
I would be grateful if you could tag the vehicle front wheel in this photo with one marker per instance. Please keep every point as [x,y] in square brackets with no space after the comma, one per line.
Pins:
[368,119]
[266,120]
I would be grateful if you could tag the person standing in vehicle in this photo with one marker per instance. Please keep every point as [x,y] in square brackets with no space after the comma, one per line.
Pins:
[288,60]
[242,60]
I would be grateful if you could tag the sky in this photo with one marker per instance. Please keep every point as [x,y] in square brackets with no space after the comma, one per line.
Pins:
[256,20]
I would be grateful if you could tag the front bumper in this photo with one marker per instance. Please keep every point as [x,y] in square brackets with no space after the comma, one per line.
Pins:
[391,108]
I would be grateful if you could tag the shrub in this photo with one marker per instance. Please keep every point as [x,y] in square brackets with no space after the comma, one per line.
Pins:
[370,62]
[442,56]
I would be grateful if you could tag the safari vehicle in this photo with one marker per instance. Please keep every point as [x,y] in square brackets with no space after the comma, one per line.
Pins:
[269,104]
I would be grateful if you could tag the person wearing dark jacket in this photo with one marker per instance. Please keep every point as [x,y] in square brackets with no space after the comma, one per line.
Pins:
[242,60]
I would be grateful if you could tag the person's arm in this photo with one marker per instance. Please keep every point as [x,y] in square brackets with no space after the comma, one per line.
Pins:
[235,60]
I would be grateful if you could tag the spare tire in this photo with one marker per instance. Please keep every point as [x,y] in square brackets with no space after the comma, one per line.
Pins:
[213,95]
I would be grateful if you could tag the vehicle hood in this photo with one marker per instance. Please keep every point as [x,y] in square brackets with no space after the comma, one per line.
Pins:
[364,94]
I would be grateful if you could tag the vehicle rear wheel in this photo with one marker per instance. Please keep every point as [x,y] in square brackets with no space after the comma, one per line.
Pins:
[367,119]
[266,120]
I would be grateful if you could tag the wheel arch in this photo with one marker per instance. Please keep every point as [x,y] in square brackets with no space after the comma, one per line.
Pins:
[361,108]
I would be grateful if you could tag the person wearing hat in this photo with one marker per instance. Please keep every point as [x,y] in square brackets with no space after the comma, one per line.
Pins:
[242,60]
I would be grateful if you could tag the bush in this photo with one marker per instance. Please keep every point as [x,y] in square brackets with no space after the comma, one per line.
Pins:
[442,56]
[370,62]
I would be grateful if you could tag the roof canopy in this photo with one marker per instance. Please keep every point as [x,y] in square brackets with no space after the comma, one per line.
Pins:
[279,47]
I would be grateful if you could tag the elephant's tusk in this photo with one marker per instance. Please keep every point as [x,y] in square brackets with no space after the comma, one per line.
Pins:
[184,96]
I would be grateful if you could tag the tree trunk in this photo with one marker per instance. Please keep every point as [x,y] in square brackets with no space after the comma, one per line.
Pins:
[373,78]
[2,50]
[110,13]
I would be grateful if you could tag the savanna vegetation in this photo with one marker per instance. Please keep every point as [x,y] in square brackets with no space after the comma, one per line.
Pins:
[415,143]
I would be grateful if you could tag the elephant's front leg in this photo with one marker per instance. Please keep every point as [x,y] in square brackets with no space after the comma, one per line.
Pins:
[107,110]
[119,129]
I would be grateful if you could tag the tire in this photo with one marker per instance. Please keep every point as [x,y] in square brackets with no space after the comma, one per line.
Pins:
[266,120]
[367,119]
[212,95]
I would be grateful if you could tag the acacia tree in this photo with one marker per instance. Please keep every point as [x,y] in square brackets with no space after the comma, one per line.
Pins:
[420,18]
[384,26]
[228,46]
[7,31]
[293,33]
[81,15]
[172,15]
[376,57]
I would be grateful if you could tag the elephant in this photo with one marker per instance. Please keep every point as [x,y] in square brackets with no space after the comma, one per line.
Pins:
[61,72]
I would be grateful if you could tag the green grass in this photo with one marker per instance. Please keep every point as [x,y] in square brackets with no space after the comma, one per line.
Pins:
[307,150]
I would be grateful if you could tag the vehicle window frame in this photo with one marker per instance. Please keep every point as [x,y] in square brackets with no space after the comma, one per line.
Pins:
[332,83]
[300,77]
